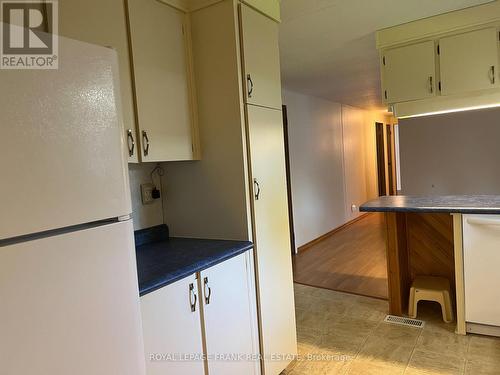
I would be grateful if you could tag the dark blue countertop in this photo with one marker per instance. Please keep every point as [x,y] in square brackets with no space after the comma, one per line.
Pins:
[465,204]
[162,260]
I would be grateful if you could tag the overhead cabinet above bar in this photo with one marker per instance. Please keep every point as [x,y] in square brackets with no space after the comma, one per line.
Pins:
[445,63]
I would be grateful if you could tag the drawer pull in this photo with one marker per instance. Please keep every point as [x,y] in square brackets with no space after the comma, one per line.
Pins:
[192,297]
[208,291]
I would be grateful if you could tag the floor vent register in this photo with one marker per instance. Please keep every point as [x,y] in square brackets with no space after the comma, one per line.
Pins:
[392,319]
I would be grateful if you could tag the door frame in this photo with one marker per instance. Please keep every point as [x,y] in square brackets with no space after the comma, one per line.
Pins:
[288,179]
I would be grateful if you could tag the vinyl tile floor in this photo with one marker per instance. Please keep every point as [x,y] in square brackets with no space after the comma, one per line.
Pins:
[340,333]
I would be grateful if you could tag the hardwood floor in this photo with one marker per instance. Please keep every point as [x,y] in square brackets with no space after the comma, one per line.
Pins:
[351,260]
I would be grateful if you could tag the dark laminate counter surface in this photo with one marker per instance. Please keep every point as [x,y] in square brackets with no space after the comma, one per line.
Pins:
[162,260]
[465,204]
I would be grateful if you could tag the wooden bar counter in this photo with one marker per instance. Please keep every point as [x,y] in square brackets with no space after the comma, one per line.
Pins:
[424,237]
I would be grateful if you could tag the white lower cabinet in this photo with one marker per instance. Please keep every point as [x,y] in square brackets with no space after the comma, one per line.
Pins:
[172,327]
[230,317]
[481,236]
[210,315]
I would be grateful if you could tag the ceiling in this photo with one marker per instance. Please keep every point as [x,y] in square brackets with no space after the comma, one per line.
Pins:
[327,47]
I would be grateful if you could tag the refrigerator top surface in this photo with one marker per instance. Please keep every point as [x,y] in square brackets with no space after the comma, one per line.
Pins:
[63,163]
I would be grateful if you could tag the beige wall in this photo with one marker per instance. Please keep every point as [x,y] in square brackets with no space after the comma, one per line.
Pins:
[332,161]
[455,153]
[144,216]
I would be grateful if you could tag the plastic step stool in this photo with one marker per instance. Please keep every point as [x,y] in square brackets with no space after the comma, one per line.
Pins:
[431,288]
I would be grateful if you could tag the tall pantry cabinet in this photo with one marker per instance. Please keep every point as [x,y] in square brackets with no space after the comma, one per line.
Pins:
[238,189]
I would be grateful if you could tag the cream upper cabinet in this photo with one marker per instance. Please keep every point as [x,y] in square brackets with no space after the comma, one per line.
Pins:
[260,59]
[103,22]
[469,61]
[272,235]
[171,325]
[408,73]
[270,8]
[160,51]
[230,315]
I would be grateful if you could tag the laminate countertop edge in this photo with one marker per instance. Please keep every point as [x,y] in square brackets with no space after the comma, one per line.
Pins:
[464,204]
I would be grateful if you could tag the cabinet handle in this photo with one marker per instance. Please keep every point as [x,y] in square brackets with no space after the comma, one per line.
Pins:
[145,142]
[257,189]
[249,85]
[130,142]
[431,85]
[207,288]
[492,71]
[192,297]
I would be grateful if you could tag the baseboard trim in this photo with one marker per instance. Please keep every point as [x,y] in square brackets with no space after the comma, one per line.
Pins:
[330,233]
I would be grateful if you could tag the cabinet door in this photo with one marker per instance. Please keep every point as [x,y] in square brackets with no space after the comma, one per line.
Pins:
[481,236]
[260,59]
[272,235]
[469,61]
[268,7]
[408,73]
[161,80]
[230,316]
[172,327]
[103,22]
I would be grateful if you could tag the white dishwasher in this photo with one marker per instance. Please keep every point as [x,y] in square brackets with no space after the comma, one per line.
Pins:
[481,246]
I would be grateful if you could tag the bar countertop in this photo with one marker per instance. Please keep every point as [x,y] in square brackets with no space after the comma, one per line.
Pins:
[464,204]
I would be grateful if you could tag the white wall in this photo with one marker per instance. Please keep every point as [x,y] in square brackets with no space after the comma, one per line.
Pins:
[456,153]
[315,143]
[144,216]
[332,162]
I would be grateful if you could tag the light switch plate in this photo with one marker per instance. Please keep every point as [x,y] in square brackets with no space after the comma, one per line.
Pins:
[147,193]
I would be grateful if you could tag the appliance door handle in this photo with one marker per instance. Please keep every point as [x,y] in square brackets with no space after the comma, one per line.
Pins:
[256,188]
[192,297]
[207,290]
[130,142]
[145,140]
[483,221]
[431,84]
[492,72]
[249,85]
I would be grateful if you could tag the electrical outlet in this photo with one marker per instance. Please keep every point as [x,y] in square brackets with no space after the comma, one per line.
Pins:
[354,208]
[147,193]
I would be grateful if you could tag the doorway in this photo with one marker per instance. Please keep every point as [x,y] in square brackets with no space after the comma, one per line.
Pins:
[386,159]
[382,185]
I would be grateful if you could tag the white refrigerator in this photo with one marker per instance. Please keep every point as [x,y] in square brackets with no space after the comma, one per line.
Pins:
[69,301]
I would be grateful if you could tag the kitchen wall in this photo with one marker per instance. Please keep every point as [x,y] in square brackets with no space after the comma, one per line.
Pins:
[144,216]
[456,153]
[332,161]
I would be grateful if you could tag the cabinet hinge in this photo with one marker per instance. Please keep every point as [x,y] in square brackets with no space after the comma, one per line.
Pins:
[385,93]
[383,60]
[438,50]
[439,85]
